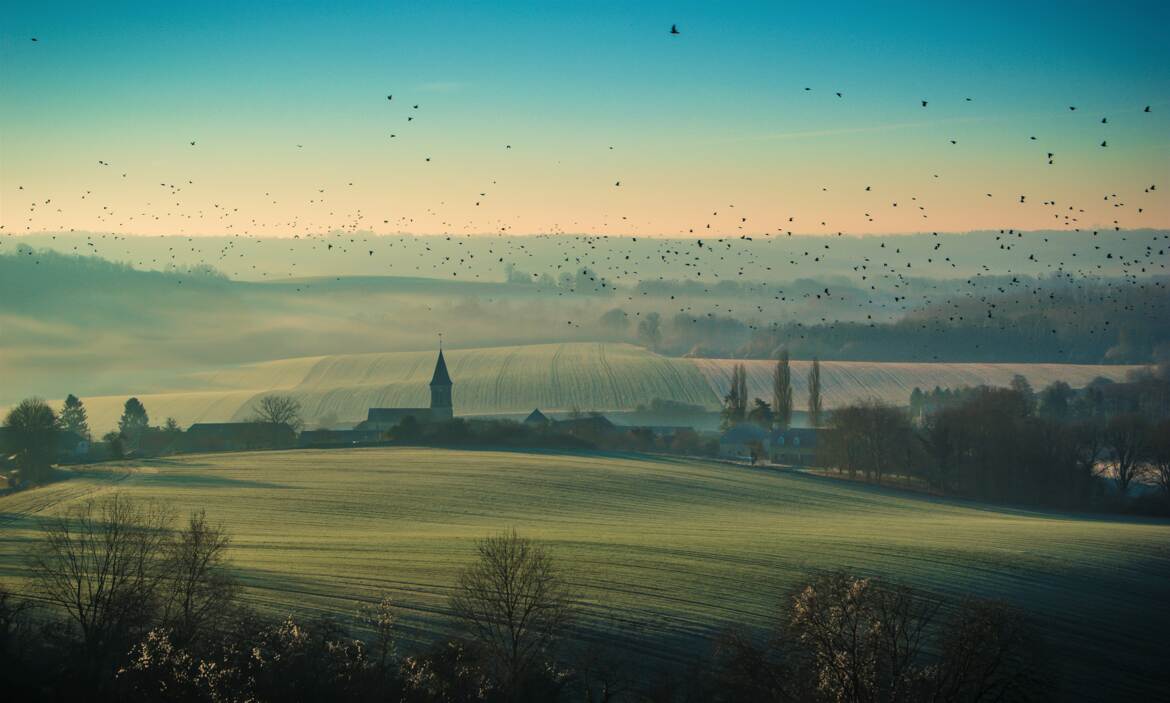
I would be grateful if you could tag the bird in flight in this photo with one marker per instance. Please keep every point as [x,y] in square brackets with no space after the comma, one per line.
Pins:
[673,30]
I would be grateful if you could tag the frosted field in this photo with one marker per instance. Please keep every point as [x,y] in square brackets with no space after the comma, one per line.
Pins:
[553,377]
[664,550]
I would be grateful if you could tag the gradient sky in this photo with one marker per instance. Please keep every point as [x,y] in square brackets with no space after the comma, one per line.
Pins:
[707,128]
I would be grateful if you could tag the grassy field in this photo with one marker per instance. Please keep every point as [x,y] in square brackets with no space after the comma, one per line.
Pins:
[553,377]
[663,550]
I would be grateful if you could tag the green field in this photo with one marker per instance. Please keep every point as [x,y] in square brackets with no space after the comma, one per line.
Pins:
[554,377]
[663,550]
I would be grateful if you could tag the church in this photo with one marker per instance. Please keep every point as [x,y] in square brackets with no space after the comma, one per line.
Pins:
[441,410]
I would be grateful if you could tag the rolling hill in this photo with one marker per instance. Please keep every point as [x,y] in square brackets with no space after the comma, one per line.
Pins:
[663,552]
[553,377]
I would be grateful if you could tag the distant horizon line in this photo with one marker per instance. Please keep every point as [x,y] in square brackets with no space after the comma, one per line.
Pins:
[711,236]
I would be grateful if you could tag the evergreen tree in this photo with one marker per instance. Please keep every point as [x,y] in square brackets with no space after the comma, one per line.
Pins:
[73,417]
[134,420]
[814,394]
[917,403]
[761,413]
[782,392]
[736,400]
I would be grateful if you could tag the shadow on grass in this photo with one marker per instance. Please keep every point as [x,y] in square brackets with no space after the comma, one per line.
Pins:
[973,504]
[187,480]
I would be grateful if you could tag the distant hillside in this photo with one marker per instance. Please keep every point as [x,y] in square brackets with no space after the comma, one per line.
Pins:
[553,377]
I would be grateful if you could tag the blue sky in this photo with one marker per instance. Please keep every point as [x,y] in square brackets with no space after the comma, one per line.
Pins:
[724,101]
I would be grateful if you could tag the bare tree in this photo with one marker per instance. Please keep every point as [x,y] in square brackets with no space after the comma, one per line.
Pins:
[1126,437]
[279,410]
[865,639]
[200,587]
[1159,455]
[988,652]
[13,613]
[101,563]
[382,619]
[514,604]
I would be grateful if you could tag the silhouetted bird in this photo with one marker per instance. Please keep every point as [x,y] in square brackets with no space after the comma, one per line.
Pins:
[673,30]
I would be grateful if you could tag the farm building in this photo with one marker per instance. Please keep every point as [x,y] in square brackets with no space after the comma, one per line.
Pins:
[382,419]
[237,436]
[335,438]
[745,440]
[590,426]
[796,446]
[70,445]
[665,431]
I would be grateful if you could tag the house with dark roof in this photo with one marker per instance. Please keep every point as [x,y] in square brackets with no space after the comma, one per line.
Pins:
[746,440]
[339,438]
[237,436]
[795,446]
[590,426]
[441,409]
[70,446]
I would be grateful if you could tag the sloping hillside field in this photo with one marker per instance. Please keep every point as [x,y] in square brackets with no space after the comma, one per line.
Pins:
[555,377]
[664,550]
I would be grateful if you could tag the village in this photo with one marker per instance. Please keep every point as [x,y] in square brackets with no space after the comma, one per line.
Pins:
[277,426]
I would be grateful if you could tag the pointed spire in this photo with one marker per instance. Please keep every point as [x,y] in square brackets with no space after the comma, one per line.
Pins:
[441,377]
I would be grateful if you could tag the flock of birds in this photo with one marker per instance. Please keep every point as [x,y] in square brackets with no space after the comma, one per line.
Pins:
[883,279]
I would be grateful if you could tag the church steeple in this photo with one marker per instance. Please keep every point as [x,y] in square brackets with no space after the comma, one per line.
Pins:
[441,407]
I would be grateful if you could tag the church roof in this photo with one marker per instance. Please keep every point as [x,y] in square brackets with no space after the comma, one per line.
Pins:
[441,377]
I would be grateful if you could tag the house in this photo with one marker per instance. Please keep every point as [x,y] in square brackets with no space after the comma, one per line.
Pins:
[586,427]
[743,441]
[441,409]
[237,436]
[666,432]
[536,418]
[70,446]
[338,438]
[796,446]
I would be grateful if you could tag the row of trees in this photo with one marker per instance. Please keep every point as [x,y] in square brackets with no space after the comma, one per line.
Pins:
[33,430]
[1145,392]
[1000,444]
[152,613]
[778,413]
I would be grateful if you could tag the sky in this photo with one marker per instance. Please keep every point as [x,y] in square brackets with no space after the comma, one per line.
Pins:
[529,115]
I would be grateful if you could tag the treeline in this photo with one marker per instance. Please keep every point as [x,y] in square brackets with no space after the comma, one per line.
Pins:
[1030,320]
[1086,449]
[123,606]
[34,436]
[24,271]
